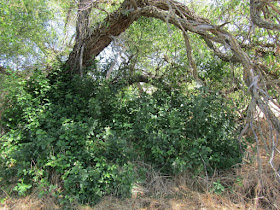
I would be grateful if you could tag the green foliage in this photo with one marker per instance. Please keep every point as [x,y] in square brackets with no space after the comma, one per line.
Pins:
[218,188]
[22,188]
[155,46]
[90,133]
[33,32]
[23,28]
[216,70]
[176,133]
[50,128]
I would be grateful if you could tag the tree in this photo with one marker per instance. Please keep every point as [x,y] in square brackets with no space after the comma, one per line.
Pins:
[226,46]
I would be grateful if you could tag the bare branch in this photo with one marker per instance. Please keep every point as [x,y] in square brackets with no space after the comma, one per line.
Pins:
[189,55]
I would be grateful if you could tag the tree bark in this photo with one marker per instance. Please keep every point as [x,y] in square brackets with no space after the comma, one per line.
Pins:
[75,60]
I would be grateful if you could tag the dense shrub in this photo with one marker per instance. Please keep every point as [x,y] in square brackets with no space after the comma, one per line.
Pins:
[90,133]
[176,132]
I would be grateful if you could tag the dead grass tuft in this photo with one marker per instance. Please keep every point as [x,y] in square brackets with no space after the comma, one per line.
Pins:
[30,202]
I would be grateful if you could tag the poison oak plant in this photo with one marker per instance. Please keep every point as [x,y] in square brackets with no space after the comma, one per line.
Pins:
[89,134]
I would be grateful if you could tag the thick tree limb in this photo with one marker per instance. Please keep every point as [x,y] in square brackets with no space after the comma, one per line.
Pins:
[255,11]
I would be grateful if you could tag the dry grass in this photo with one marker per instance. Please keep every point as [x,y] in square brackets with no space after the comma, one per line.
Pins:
[243,191]
[31,202]
[191,200]
[158,193]
[177,194]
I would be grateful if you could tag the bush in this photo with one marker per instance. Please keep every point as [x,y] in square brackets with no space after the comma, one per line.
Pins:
[177,133]
[89,133]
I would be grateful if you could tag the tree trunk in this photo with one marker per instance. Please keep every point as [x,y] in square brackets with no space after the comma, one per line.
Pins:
[75,61]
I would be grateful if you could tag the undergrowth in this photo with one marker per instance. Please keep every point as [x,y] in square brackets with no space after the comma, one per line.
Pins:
[80,139]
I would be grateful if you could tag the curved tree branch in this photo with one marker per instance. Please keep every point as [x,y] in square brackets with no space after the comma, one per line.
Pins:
[256,7]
